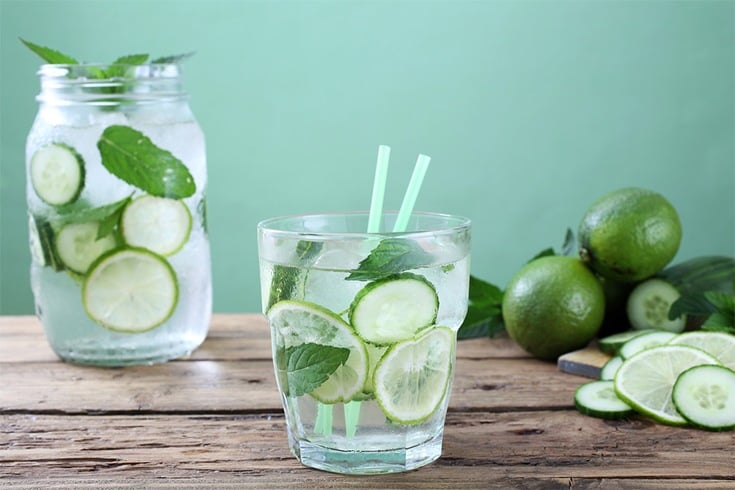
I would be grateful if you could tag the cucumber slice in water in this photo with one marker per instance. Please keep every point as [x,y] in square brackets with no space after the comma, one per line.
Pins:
[649,303]
[705,397]
[130,290]
[412,377]
[394,308]
[57,174]
[77,245]
[159,224]
[598,399]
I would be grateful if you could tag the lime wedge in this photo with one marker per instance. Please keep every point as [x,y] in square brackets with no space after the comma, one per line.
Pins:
[159,224]
[411,378]
[299,322]
[717,344]
[130,290]
[645,381]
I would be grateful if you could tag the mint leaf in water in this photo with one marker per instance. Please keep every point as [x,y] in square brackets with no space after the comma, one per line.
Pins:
[50,55]
[108,216]
[307,366]
[288,282]
[133,157]
[119,67]
[391,256]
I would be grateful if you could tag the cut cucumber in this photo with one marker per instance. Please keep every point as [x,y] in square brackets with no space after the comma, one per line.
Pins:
[612,343]
[649,303]
[57,174]
[598,399]
[412,377]
[130,290]
[645,341]
[41,239]
[394,308]
[299,322]
[646,380]
[611,367]
[705,397]
[77,245]
[159,224]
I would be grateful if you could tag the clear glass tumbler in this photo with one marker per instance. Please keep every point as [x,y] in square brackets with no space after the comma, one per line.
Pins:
[363,328]
[116,186]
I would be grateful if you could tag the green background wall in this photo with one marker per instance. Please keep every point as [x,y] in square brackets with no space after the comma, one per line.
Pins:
[530,111]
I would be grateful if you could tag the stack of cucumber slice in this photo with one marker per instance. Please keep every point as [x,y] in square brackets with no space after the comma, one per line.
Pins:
[398,355]
[118,251]
[684,379]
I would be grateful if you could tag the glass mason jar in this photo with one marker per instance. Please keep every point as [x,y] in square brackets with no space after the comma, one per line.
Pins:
[116,183]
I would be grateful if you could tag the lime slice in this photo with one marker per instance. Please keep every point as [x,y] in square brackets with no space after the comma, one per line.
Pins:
[411,378]
[130,290]
[717,344]
[159,224]
[646,380]
[300,322]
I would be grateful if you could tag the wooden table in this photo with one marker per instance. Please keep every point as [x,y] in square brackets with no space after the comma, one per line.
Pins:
[214,420]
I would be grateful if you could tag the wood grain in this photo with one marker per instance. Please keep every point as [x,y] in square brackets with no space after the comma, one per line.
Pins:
[214,420]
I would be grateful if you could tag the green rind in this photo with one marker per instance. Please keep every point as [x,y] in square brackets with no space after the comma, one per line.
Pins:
[598,411]
[612,343]
[693,420]
[368,289]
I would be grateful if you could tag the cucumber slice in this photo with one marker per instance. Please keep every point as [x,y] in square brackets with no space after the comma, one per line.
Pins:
[130,290]
[612,343]
[159,224]
[77,245]
[393,309]
[57,174]
[649,303]
[645,341]
[41,239]
[598,399]
[299,322]
[646,380]
[611,367]
[705,397]
[412,377]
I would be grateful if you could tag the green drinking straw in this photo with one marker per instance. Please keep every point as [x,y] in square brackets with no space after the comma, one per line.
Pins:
[412,192]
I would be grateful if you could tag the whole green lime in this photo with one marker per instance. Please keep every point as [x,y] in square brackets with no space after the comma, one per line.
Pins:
[629,234]
[553,305]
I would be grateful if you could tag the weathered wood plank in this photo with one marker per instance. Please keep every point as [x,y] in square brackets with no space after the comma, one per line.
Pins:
[231,337]
[478,447]
[215,386]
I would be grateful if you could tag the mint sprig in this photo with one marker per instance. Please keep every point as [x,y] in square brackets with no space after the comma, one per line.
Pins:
[308,366]
[50,55]
[133,157]
[391,256]
[108,216]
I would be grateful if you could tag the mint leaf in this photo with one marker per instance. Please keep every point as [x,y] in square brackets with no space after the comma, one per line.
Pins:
[569,243]
[108,216]
[50,55]
[119,67]
[173,59]
[391,256]
[484,316]
[309,365]
[288,282]
[133,157]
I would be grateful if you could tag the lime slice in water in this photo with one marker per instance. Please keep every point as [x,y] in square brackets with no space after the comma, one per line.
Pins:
[130,290]
[645,381]
[300,322]
[159,224]
[411,378]
[717,344]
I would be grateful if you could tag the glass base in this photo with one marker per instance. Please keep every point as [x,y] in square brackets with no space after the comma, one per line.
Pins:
[116,357]
[367,462]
